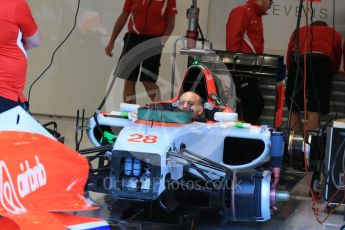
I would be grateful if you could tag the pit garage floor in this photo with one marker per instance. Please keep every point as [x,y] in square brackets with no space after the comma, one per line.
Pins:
[296,214]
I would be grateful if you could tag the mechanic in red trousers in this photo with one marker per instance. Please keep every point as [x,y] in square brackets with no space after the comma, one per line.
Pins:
[323,50]
[19,33]
[244,33]
[152,20]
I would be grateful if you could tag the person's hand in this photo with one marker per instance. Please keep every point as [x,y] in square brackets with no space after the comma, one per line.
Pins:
[164,39]
[109,49]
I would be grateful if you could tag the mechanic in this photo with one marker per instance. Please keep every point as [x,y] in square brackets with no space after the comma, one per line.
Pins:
[190,100]
[19,33]
[244,33]
[323,50]
[150,20]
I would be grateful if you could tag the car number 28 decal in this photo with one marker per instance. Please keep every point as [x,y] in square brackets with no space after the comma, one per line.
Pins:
[147,139]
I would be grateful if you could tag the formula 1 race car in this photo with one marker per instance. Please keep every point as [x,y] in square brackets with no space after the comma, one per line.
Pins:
[160,166]
[35,192]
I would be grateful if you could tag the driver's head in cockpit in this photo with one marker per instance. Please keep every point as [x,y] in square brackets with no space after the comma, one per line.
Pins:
[190,100]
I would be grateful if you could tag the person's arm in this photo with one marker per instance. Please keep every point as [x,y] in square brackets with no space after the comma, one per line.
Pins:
[168,29]
[344,56]
[32,41]
[289,50]
[171,11]
[235,29]
[119,24]
[337,52]
[27,26]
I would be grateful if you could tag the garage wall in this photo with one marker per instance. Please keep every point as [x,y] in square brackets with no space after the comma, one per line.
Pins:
[278,24]
[81,71]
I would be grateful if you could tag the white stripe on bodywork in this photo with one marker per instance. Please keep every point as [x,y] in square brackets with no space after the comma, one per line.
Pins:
[249,43]
[20,43]
[90,225]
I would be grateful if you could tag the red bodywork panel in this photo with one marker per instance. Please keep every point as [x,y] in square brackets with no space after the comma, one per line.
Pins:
[38,178]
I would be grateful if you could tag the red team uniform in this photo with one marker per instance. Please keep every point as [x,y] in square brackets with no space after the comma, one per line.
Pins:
[16,21]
